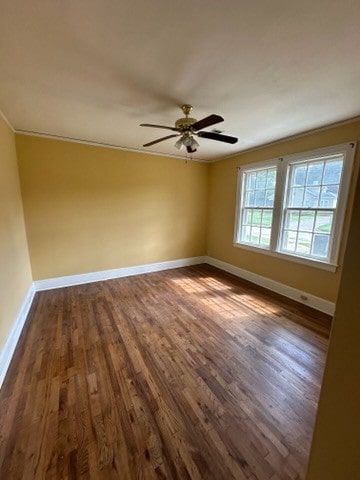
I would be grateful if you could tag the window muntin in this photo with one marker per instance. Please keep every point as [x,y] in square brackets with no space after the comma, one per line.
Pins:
[304,215]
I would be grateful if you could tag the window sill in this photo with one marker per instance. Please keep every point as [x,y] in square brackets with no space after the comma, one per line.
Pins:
[330,267]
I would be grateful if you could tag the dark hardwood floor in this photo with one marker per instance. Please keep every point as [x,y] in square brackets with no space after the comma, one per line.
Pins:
[182,374]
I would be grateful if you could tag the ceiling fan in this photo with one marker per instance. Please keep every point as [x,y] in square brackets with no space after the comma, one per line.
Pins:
[187,127]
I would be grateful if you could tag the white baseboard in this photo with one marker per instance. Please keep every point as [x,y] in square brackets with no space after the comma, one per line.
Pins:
[290,292]
[15,332]
[71,280]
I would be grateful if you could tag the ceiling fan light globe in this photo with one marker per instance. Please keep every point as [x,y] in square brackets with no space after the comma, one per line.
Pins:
[179,144]
[194,144]
[187,140]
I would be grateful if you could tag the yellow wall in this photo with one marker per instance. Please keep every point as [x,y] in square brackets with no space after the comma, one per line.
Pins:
[335,452]
[15,275]
[90,208]
[222,194]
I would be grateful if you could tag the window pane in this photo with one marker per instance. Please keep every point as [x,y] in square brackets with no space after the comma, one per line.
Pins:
[265,236]
[271,178]
[250,180]
[307,221]
[256,219]
[329,196]
[246,219]
[314,173]
[311,198]
[304,243]
[292,219]
[332,171]
[320,246]
[289,241]
[246,234]
[299,175]
[250,199]
[255,235]
[261,179]
[269,198]
[323,222]
[259,198]
[296,197]
[266,218]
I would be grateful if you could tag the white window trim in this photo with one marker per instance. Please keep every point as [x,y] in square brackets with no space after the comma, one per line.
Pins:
[282,163]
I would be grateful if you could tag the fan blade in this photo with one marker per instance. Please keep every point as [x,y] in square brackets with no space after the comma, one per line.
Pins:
[158,126]
[189,149]
[207,122]
[160,140]
[217,136]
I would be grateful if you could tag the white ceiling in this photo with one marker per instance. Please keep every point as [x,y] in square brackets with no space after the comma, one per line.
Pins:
[94,70]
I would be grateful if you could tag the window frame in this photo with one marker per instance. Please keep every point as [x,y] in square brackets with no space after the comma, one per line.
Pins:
[258,166]
[282,165]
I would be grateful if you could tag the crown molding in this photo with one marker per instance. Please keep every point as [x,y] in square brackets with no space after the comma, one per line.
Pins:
[289,138]
[104,145]
[179,157]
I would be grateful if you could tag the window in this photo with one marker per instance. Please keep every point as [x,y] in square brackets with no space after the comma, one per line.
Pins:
[258,203]
[295,205]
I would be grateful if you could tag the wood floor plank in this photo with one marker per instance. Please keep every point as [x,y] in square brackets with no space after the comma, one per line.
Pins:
[183,374]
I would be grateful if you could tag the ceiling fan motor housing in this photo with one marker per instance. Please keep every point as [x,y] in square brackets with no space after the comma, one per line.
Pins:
[185,123]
